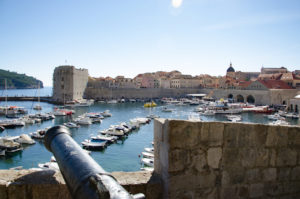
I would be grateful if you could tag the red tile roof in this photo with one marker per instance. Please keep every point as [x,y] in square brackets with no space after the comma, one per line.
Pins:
[275,84]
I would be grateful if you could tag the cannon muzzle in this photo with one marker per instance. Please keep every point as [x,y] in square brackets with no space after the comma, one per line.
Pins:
[84,177]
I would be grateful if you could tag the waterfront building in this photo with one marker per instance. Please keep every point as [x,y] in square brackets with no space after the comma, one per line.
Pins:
[295,104]
[164,82]
[123,82]
[268,84]
[273,70]
[69,83]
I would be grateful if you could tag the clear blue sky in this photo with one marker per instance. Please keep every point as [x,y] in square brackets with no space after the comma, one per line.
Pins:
[127,37]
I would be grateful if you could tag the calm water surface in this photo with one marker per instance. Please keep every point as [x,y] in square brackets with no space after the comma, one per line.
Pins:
[121,156]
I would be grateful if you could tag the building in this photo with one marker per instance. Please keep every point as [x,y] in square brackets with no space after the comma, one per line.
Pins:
[69,83]
[273,70]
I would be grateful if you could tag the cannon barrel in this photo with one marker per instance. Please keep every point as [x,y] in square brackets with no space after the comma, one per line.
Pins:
[84,177]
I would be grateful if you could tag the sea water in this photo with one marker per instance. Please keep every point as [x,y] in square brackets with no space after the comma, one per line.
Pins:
[120,156]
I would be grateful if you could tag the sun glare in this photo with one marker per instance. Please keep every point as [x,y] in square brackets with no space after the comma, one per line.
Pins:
[176,3]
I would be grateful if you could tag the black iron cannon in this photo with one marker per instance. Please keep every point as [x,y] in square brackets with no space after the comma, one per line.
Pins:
[84,177]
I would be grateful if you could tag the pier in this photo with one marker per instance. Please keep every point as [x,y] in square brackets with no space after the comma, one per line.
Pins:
[28,98]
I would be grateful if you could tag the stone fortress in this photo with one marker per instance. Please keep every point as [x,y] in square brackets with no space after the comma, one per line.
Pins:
[264,88]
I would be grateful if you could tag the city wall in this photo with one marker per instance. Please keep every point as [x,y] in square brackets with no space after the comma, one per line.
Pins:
[227,160]
[261,97]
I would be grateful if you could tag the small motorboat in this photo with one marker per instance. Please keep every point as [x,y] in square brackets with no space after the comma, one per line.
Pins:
[234,118]
[94,144]
[148,162]
[150,150]
[24,139]
[166,109]
[279,123]
[148,155]
[108,138]
[49,165]
[106,113]
[71,125]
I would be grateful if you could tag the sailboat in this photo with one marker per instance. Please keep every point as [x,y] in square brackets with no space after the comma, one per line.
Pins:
[38,106]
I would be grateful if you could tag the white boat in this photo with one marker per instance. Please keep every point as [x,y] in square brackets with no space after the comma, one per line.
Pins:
[83,121]
[71,125]
[94,145]
[148,162]
[107,137]
[150,150]
[132,100]
[234,118]
[229,111]
[148,155]
[279,122]
[199,109]
[152,116]
[166,109]
[112,101]
[24,139]
[12,123]
[194,118]
[49,165]
[106,113]
[275,116]
[59,113]
[37,107]
[39,134]
[147,169]
[113,132]
[9,145]
[208,112]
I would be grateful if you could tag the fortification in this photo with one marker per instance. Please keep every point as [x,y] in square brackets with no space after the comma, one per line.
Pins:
[69,83]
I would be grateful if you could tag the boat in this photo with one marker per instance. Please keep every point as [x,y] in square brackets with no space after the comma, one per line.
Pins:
[24,139]
[106,113]
[10,146]
[108,138]
[150,104]
[38,106]
[2,152]
[94,144]
[194,118]
[262,109]
[166,109]
[79,103]
[83,121]
[275,116]
[234,118]
[279,122]
[39,134]
[150,150]
[208,112]
[113,132]
[71,125]
[148,162]
[49,165]
[132,100]
[58,112]
[148,155]
[12,123]
[112,101]
[152,116]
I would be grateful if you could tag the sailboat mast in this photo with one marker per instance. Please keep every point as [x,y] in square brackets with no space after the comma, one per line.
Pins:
[5,86]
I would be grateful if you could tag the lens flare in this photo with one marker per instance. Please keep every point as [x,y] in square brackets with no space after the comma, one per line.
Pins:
[176,3]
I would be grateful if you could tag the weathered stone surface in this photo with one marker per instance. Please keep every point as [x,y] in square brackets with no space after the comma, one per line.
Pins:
[277,136]
[199,161]
[179,159]
[256,190]
[274,188]
[213,157]
[253,175]
[294,136]
[295,174]
[233,176]
[283,173]
[262,157]
[184,134]
[286,157]
[269,174]
[247,157]
[231,135]
[257,135]
[212,133]
[230,157]
[273,157]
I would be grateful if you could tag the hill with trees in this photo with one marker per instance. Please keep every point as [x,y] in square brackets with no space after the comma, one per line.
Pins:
[18,81]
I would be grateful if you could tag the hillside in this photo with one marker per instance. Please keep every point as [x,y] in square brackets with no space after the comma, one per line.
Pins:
[18,81]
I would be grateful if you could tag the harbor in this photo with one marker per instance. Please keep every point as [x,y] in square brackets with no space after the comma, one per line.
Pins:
[126,153]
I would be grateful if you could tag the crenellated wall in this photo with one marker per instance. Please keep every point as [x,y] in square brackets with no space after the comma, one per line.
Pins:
[227,160]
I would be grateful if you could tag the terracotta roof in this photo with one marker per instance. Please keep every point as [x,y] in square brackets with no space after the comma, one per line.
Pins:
[270,76]
[244,84]
[275,84]
[287,76]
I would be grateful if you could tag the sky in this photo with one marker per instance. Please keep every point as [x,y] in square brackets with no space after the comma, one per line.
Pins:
[128,37]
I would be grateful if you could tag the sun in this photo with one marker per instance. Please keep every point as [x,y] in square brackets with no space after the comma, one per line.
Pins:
[176,3]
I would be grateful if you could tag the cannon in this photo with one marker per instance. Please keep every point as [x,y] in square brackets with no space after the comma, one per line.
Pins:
[84,177]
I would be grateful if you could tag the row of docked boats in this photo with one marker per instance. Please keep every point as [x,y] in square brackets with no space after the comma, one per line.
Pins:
[113,133]
[13,144]
[147,159]
[91,118]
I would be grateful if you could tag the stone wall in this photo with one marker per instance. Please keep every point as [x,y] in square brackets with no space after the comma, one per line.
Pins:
[227,160]
[36,184]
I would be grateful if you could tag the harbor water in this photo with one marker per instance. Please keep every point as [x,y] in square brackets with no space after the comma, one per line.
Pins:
[120,156]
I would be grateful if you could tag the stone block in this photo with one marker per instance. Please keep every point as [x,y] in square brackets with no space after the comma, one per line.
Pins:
[256,190]
[274,189]
[292,187]
[257,136]
[273,157]
[253,175]
[294,136]
[243,192]
[214,156]
[207,193]
[262,157]
[277,136]
[177,160]
[184,134]
[269,174]
[295,174]
[247,157]
[198,161]
[286,157]
[233,176]
[228,192]
[212,133]
[231,135]
[283,173]
[230,157]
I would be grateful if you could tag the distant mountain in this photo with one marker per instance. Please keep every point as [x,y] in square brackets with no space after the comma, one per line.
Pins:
[18,81]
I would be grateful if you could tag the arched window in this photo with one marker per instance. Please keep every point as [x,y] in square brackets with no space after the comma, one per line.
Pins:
[250,99]
[239,98]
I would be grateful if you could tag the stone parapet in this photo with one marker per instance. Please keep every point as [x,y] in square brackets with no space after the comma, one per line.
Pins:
[227,160]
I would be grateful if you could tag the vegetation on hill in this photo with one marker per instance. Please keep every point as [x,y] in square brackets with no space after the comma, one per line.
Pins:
[19,81]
